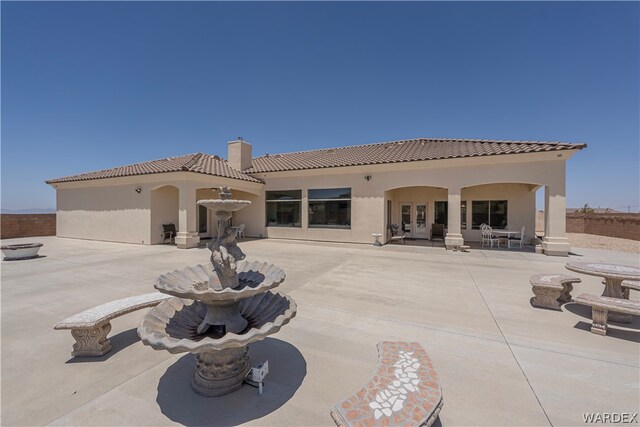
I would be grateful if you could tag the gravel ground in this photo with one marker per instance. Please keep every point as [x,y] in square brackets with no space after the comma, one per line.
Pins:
[592,241]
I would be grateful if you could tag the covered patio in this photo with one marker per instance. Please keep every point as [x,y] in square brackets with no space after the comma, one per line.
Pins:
[501,205]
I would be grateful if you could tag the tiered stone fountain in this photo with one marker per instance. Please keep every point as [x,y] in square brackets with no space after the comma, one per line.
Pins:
[220,308]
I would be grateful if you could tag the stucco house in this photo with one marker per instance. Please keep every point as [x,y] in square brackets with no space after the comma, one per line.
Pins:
[340,194]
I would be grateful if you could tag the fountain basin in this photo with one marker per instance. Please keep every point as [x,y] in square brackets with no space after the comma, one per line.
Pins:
[202,283]
[224,205]
[172,325]
[21,251]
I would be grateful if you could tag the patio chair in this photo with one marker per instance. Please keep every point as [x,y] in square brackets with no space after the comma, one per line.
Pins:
[396,234]
[437,233]
[169,232]
[489,237]
[240,231]
[516,240]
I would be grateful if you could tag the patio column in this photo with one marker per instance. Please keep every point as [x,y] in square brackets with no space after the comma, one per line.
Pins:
[555,241]
[454,236]
[187,236]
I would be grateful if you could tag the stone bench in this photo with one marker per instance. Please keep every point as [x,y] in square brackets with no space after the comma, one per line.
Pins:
[403,391]
[91,327]
[600,307]
[551,290]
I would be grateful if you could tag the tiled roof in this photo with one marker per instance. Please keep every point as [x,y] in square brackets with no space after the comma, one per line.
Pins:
[198,162]
[370,154]
[400,151]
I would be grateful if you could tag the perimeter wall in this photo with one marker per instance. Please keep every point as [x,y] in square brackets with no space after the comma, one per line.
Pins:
[27,225]
[623,225]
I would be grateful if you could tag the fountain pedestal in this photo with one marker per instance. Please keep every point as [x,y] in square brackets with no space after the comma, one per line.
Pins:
[220,372]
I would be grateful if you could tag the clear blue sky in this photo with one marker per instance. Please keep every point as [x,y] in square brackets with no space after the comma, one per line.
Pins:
[88,86]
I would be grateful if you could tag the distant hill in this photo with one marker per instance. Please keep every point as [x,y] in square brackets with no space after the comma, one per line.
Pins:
[28,211]
[595,210]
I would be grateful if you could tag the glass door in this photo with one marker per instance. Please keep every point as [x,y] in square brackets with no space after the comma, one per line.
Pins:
[421,231]
[407,223]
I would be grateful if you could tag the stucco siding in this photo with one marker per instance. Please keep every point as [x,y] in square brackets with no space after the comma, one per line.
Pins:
[253,216]
[367,208]
[111,213]
[111,209]
[164,210]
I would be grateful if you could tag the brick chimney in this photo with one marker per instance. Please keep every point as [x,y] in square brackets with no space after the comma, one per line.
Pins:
[239,154]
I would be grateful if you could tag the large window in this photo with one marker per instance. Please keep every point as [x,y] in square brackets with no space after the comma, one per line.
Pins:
[330,208]
[492,212]
[441,213]
[283,208]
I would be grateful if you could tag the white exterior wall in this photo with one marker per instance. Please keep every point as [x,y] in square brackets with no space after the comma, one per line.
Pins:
[253,216]
[164,210]
[367,208]
[110,209]
[114,213]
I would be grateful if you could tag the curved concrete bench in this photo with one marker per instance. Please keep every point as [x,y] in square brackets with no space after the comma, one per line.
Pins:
[600,307]
[404,390]
[91,327]
[551,290]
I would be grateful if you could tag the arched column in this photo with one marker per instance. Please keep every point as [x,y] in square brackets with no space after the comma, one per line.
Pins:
[454,234]
[187,236]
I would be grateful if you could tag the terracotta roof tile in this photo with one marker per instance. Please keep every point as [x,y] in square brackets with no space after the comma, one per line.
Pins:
[400,151]
[370,154]
[198,162]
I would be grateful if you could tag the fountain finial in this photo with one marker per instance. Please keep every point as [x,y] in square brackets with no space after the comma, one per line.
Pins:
[225,193]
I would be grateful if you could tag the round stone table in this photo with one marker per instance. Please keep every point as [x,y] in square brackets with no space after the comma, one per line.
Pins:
[613,275]
[376,236]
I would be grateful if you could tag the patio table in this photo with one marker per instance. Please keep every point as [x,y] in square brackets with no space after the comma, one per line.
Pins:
[506,234]
[613,274]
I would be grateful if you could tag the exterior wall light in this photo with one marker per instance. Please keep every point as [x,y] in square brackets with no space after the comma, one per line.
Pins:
[138,190]
[367,178]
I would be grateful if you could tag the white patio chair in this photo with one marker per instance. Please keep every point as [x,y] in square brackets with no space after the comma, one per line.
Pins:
[516,240]
[240,231]
[488,237]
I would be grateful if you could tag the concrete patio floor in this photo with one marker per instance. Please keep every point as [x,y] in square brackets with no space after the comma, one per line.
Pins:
[500,361]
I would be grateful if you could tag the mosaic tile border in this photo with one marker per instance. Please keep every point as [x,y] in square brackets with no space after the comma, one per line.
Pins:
[404,390]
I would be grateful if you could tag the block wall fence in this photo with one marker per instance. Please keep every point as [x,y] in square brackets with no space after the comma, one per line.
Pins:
[27,225]
[622,225]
